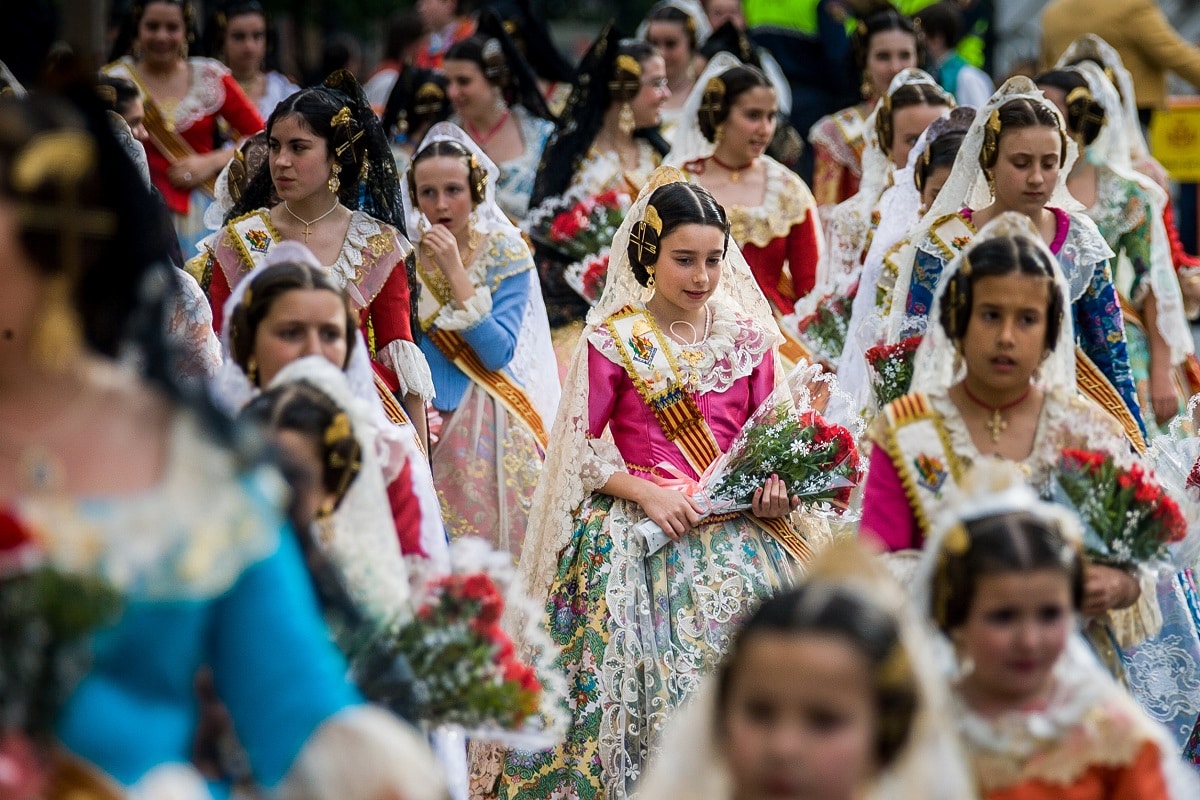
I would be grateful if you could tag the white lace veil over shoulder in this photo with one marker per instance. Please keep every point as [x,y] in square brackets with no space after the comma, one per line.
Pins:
[967,187]
[360,534]
[533,364]
[1112,149]
[994,487]
[937,366]
[850,221]
[561,488]
[689,143]
[1091,46]
[695,12]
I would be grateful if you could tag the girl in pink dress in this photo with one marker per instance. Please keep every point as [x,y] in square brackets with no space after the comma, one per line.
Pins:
[671,378]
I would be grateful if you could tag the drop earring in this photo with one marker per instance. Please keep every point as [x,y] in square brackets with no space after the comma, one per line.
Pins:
[252,370]
[648,291]
[626,121]
[335,180]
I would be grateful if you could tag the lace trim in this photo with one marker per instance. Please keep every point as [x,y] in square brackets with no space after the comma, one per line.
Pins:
[601,461]
[478,306]
[171,541]
[1066,421]
[787,203]
[412,370]
[734,347]
[830,135]
[1121,206]
[205,96]
[365,237]
[1081,728]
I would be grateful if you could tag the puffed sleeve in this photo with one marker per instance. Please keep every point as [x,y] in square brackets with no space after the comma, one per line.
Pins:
[491,321]
[274,664]
[602,459]
[390,315]
[827,178]
[237,109]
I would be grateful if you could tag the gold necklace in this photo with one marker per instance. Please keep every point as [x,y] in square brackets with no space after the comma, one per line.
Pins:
[308,223]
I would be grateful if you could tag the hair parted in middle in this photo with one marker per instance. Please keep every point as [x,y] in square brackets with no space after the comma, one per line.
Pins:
[722,92]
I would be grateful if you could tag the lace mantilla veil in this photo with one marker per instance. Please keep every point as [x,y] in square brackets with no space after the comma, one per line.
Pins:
[561,488]
[1091,46]
[938,366]
[968,187]
[533,364]
[1112,149]
[850,221]
[1082,684]
[930,766]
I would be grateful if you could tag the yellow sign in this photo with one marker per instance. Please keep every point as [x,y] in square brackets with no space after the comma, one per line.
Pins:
[1175,140]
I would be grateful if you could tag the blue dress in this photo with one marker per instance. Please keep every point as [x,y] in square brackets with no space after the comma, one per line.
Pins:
[211,576]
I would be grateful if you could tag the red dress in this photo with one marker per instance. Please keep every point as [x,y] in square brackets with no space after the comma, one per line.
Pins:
[213,94]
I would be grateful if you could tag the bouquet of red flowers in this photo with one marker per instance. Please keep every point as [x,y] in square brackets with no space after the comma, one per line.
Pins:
[787,436]
[823,331]
[891,368]
[587,277]
[578,228]
[1128,517]
[46,616]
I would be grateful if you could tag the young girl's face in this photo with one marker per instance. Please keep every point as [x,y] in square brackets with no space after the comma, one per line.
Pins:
[1006,334]
[1027,165]
[443,191]
[888,53]
[799,721]
[1014,634]
[933,185]
[908,124]
[688,268]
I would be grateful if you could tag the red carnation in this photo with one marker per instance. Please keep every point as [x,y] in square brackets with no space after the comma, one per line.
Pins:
[13,535]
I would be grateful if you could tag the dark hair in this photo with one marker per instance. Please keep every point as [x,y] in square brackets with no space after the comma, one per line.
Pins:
[913,94]
[941,19]
[605,80]
[828,609]
[493,50]
[1003,255]
[532,40]
[1017,114]
[476,174]
[123,92]
[127,35]
[267,287]
[1015,541]
[880,22]
[417,101]
[941,153]
[484,53]
[1085,115]
[676,204]
[665,13]
[722,93]
[305,409]
[218,29]
[404,29]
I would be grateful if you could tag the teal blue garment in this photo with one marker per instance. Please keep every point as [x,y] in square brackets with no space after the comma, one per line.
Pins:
[272,659]
[947,72]
[493,338]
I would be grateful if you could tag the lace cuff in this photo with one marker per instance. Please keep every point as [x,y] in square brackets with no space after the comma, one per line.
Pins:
[362,753]
[412,370]
[452,318]
[601,461]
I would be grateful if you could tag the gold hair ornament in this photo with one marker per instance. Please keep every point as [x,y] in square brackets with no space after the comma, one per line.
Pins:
[643,238]
[713,101]
[338,429]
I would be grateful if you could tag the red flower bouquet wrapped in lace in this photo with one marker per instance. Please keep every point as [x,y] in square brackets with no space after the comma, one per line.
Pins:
[581,231]
[1127,515]
[823,331]
[891,368]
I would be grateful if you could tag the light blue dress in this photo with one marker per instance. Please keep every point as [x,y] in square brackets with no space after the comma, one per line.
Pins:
[212,576]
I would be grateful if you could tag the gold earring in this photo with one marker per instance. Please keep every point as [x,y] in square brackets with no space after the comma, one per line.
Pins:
[626,121]
[719,134]
[648,291]
[58,339]
[866,89]
[335,180]
[252,370]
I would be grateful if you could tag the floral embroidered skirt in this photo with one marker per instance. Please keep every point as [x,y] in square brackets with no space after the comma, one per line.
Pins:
[485,467]
[636,634]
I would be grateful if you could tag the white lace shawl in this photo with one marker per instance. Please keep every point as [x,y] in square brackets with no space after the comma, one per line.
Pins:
[570,474]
